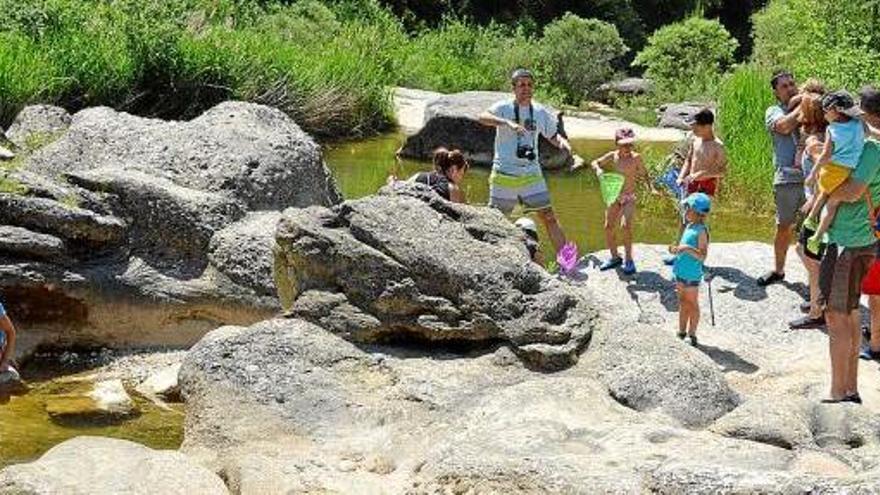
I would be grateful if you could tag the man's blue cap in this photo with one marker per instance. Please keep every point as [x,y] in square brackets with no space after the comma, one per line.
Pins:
[699,202]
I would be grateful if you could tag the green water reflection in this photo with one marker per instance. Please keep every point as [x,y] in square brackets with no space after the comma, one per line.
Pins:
[362,167]
[26,431]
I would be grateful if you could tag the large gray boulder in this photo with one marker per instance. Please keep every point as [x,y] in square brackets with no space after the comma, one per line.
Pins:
[250,153]
[111,239]
[105,466]
[406,265]
[452,121]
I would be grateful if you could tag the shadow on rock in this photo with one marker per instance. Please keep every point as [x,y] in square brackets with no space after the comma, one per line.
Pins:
[728,360]
[745,286]
[651,282]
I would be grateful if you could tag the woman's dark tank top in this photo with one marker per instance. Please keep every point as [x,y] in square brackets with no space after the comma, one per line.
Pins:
[439,183]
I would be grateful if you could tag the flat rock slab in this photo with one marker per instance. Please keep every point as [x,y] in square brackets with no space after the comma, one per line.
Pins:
[105,466]
[23,242]
[285,406]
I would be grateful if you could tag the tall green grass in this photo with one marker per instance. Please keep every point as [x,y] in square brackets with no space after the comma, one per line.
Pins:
[176,59]
[27,74]
[743,97]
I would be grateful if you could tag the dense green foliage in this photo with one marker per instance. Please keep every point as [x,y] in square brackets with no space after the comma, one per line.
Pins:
[578,54]
[692,53]
[459,56]
[330,65]
[838,42]
[634,19]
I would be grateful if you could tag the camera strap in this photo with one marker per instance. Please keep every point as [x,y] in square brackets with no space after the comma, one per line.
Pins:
[531,118]
[516,112]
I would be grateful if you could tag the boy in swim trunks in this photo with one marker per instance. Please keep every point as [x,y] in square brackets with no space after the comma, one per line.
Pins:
[628,163]
[706,161]
[844,142]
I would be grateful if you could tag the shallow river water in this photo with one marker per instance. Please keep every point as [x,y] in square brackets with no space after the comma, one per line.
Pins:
[27,431]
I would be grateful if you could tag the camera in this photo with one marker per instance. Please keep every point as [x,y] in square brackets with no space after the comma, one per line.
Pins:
[525,152]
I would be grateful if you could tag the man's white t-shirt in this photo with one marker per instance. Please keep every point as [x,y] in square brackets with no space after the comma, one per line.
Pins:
[505,160]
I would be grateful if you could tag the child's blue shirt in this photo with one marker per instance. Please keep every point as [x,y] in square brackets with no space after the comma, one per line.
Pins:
[687,267]
[849,140]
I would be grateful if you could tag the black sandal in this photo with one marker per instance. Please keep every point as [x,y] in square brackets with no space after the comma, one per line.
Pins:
[770,277]
[854,398]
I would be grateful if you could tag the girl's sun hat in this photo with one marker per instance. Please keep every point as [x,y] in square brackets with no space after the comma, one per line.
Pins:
[625,136]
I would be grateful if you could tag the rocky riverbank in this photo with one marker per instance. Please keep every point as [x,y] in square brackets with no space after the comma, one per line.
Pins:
[419,351]
[349,403]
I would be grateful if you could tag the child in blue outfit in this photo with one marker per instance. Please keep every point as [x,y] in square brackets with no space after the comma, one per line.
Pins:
[690,253]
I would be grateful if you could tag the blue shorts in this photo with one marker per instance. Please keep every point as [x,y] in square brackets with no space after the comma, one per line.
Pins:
[506,191]
[687,283]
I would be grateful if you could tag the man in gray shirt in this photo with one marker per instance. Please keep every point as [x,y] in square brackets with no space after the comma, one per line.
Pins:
[788,180]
